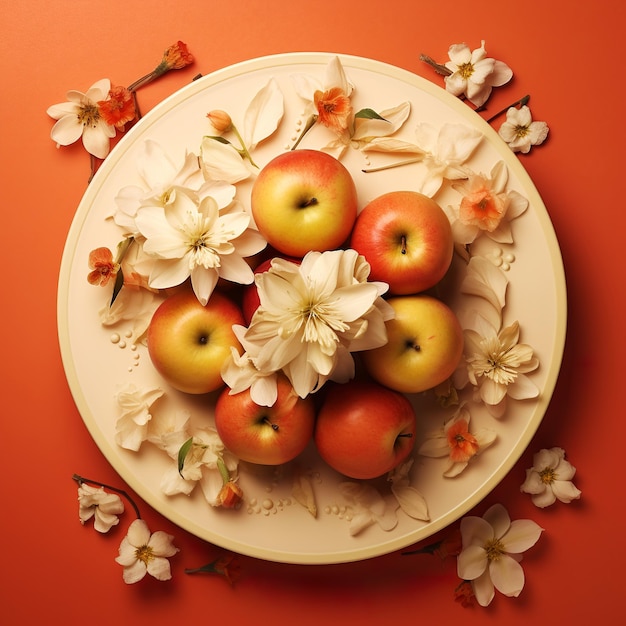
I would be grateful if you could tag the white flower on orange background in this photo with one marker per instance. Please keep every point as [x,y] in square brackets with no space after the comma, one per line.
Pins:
[142,552]
[492,548]
[520,132]
[80,117]
[103,506]
[550,478]
[473,74]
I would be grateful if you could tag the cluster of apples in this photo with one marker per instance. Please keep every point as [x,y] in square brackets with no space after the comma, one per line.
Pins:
[306,200]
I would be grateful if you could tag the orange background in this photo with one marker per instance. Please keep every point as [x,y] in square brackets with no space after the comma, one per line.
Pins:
[567,58]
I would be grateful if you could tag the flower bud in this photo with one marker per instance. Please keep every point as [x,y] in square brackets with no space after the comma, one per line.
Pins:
[220,120]
[230,495]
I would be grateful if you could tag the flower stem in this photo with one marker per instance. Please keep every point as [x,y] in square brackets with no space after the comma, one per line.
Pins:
[80,480]
[392,165]
[438,67]
[310,123]
[521,102]
[244,150]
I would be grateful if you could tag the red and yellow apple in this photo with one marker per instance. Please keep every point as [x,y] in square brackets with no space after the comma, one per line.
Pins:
[406,238]
[188,342]
[265,435]
[424,345]
[304,200]
[364,430]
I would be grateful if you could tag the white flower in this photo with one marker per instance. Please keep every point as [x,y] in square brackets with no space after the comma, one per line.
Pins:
[368,507]
[486,207]
[411,501]
[520,132]
[222,160]
[131,428]
[550,478]
[104,507]
[368,129]
[473,74]
[497,365]
[193,237]
[455,441]
[142,552]
[160,177]
[80,117]
[492,548]
[311,316]
[200,466]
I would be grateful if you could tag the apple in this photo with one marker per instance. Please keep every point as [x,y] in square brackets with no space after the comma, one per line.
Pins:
[304,200]
[265,435]
[406,238]
[364,430]
[424,345]
[188,342]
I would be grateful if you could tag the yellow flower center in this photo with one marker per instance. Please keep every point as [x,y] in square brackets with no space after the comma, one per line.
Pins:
[547,475]
[145,554]
[88,115]
[521,131]
[494,549]
[466,70]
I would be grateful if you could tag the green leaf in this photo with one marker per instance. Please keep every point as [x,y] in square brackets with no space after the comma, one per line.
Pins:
[218,138]
[117,287]
[182,454]
[369,114]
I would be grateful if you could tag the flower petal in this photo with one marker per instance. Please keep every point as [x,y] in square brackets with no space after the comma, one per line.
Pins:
[507,575]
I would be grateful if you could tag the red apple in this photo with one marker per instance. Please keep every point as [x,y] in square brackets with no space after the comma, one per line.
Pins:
[424,345]
[304,200]
[364,430]
[188,343]
[406,238]
[265,435]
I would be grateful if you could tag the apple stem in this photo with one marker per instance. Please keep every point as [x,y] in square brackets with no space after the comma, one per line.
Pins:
[407,435]
[267,421]
[413,346]
[403,242]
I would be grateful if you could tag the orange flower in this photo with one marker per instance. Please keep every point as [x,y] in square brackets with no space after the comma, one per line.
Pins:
[333,108]
[227,566]
[463,445]
[464,594]
[177,57]
[119,108]
[481,207]
[230,495]
[102,267]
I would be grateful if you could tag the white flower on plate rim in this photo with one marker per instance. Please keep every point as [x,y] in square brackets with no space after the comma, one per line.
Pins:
[486,207]
[160,177]
[473,74]
[195,238]
[131,428]
[550,478]
[200,466]
[103,506]
[367,506]
[80,117]
[455,441]
[411,501]
[492,548]
[311,317]
[497,366]
[142,552]
[222,160]
[520,132]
